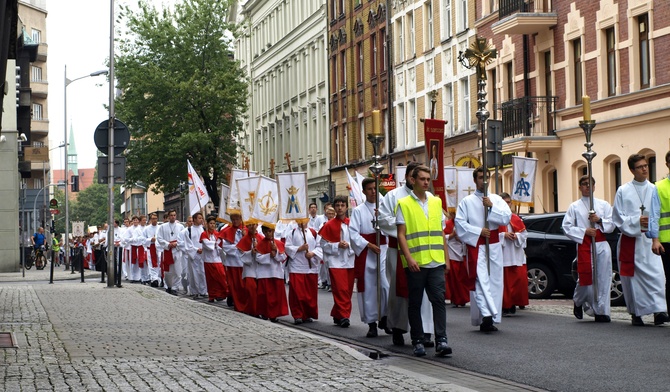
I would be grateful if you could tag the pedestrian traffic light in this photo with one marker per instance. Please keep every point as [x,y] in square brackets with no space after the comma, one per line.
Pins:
[74,184]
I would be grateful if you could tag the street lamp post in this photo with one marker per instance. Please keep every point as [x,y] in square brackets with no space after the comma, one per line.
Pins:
[67,82]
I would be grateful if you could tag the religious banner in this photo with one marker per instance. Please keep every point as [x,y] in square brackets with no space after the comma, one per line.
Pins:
[197,194]
[434,136]
[355,193]
[246,191]
[465,183]
[266,207]
[233,205]
[293,196]
[400,176]
[223,203]
[523,170]
[451,187]
[78,229]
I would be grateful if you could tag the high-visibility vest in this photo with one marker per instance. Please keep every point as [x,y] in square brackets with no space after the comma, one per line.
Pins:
[425,238]
[663,189]
[55,246]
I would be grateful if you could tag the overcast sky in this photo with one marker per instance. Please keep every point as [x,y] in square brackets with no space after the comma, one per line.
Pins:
[78,36]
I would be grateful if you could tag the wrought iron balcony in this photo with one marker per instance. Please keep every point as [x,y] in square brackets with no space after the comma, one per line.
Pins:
[524,17]
[528,116]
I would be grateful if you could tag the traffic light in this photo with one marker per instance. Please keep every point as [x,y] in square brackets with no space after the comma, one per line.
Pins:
[74,184]
[52,229]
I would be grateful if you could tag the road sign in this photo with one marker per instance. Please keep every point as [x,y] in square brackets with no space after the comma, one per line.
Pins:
[54,211]
[121,137]
[53,203]
[119,170]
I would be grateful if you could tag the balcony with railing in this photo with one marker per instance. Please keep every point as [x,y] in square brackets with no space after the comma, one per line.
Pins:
[524,17]
[532,119]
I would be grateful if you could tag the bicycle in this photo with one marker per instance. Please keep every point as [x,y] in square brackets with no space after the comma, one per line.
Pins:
[38,258]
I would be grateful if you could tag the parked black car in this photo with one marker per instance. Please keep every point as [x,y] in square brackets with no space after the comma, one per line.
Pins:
[551,258]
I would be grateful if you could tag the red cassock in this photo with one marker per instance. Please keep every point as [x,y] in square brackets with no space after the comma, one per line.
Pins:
[215,274]
[272,301]
[234,274]
[515,277]
[303,296]
[249,307]
[457,292]
[341,279]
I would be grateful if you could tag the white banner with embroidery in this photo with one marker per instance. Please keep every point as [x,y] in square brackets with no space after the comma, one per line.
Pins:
[400,172]
[292,196]
[78,229]
[246,191]
[523,180]
[451,187]
[266,207]
[233,205]
[197,193]
[465,183]
[223,203]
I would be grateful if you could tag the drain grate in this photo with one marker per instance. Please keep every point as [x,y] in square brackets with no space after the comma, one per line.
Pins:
[7,340]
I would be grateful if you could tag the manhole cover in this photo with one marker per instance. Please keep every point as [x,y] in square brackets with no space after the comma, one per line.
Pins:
[7,340]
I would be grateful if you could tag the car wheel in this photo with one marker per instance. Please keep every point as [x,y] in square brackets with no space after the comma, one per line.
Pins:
[616,291]
[541,281]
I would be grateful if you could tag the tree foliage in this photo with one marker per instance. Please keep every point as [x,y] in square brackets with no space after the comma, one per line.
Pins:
[92,205]
[183,95]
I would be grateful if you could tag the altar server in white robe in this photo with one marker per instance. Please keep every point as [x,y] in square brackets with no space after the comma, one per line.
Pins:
[153,251]
[641,271]
[197,283]
[167,240]
[485,285]
[371,299]
[577,226]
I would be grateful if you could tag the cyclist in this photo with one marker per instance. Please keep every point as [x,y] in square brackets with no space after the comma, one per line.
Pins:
[38,239]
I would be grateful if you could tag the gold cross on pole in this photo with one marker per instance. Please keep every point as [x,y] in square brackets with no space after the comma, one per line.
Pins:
[479,54]
[287,156]
[272,168]
[246,164]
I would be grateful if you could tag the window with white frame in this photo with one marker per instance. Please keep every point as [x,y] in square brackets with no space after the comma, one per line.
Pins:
[35,74]
[400,46]
[345,136]
[411,36]
[37,111]
[411,126]
[36,36]
[463,15]
[402,125]
[428,38]
[610,40]
[449,108]
[446,19]
[464,121]
[361,129]
[643,50]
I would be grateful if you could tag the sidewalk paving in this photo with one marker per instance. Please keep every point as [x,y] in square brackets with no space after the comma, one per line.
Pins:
[85,336]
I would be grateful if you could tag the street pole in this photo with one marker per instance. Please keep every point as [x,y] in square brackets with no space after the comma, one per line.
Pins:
[67,82]
[111,260]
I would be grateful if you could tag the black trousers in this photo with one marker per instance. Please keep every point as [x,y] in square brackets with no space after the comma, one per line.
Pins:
[666,267]
[430,280]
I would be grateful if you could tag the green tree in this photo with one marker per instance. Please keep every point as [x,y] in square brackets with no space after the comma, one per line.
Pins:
[92,204]
[184,96]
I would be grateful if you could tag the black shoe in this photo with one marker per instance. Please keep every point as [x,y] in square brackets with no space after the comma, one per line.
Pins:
[506,313]
[487,325]
[337,321]
[522,308]
[345,323]
[210,300]
[274,320]
[309,320]
[383,324]
[219,299]
[601,318]
[154,283]
[427,342]
[398,339]
[636,321]
[578,312]
[372,330]
[229,301]
[512,310]
[297,321]
[442,349]
[419,350]
[660,318]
